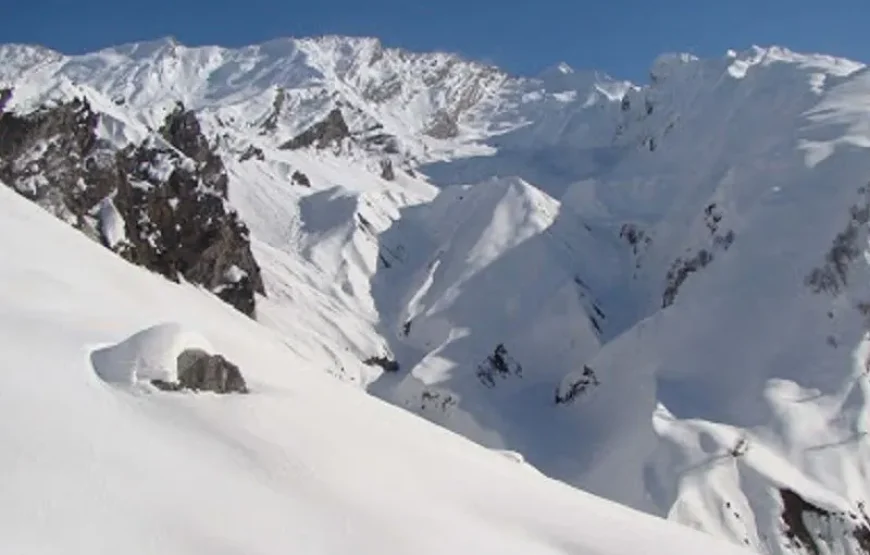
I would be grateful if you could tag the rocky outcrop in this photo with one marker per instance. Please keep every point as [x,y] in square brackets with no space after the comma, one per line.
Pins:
[52,157]
[5,95]
[387,364]
[201,371]
[322,134]
[270,124]
[442,126]
[498,365]
[252,152]
[575,386]
[300,178]
[170,194]
[833,275]
[181,129]
[814,530]
[387,171]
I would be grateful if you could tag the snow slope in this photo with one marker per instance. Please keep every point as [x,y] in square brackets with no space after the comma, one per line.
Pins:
[655,293]
[303,463]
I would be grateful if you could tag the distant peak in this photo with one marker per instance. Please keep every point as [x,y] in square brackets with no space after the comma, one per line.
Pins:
[556,71]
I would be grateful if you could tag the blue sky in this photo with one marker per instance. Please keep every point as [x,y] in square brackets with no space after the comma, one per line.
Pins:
[620,37]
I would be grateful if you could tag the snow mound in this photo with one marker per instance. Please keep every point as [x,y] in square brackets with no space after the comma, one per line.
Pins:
[148,355]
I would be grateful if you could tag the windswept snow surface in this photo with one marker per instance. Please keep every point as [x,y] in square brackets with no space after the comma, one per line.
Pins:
[303,464]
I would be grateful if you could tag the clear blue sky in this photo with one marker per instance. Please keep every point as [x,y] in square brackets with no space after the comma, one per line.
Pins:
[620,37]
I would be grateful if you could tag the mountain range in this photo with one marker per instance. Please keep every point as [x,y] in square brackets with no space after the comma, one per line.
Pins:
[656,293]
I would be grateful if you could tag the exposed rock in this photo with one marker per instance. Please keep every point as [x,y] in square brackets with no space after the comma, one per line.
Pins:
[442,126]
[387,364]
[201,371]
[383,142]
[634,236]
[802,518]
[300,178]
[833,275]
[384,91]
[322,134]
[387,170]
[48,156]
[568,392]
[271,122]
[5,95]
[680,271]
[181,128]
[433,399]
[498,364]
[174,212]
[252,152]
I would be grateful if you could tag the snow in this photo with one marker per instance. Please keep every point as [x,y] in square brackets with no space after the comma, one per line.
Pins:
[112,226]
[151,354]
[90,468]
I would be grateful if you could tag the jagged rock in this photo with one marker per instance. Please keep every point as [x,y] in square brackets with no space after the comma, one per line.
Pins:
[498,364]
[569,392]
[322,134]
[387,170]
[201,371]
[252,152]
[5,95]
[384,142]
[442,126]
[176,221]
[48,156]
[799,515]
[387,364]
[833,275]
[679,273]
[271,122]
[178,227]
[300,178]
[181,128]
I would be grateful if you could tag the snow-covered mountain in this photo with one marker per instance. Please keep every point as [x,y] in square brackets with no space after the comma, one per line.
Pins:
[656,293]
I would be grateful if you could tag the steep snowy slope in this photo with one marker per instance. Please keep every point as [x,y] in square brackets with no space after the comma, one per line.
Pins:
[747,393]
[302,463]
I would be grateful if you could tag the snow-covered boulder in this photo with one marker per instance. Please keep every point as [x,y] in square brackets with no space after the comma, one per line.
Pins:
[169,357]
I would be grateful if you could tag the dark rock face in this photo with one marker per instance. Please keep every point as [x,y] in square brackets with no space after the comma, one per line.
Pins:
[387,171]
[387,364]
[322,134]
[805,523]
[181,129]
[498,365]
[172,203]
[271,122]
[300,178]
[252,152]
[577,387]
[833,276]
[443,126]
[51,157]
[680,271]
[200,371]
[5,95]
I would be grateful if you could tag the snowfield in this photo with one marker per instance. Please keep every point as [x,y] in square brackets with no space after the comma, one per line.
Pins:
[303,464]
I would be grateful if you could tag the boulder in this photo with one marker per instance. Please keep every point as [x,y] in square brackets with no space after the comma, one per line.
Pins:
[201,371]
